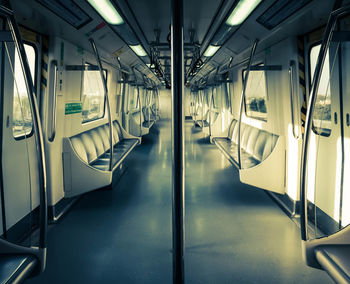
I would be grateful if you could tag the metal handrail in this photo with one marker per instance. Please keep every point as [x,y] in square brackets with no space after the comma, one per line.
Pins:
[36,122]
[292,99]
[331,24]
[149,110]
[210,108]
[242,101]
[98,59]
[140,108]
[53,95]
[227,89]
[203,92]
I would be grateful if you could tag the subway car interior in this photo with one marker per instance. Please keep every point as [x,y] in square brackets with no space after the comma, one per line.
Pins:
[173,141]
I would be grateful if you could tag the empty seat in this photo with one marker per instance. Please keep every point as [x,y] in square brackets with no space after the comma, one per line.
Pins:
[335,259]
[100,149]
[148,120]
[93,146]
[16,268]
[79,148]
[256,144]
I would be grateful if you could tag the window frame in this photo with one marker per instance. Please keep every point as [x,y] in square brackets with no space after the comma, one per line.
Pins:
[34,81]
[266,92]
[104,97]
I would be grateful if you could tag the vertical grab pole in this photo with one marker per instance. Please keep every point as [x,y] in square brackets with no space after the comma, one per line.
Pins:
[177,87]
[150,94]
[98,59]
[210,108]
[203,107]
[242,101]
[37,131]
[140,106]
[310,109]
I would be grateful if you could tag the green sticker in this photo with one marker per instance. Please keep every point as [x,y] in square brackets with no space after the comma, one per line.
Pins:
[71,108]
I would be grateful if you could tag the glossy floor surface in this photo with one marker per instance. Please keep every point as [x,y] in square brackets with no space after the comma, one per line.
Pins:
[234,233]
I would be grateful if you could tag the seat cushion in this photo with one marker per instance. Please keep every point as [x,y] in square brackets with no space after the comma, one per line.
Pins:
[104,136]
[260,145]
[89,146]
[118,130]
[16,268]
[335,259]
[119,153]
[98,142]
[231,150]
[231,128]
[79,148]
[148,124]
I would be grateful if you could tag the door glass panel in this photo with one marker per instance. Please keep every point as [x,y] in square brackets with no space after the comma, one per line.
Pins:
[322,111]
[21,195]
[345,195]
[22,123]
[325,150]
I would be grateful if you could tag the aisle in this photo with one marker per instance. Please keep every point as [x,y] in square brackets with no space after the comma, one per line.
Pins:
[121,235]
[234,233]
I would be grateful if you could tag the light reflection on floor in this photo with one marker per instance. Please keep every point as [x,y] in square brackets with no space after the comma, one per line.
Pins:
[234,233]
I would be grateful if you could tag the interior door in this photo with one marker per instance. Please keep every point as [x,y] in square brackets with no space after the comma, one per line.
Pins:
[324,177]
[344,204]
[20,176]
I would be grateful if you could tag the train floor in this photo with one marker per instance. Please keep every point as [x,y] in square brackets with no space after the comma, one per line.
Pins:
[234,233]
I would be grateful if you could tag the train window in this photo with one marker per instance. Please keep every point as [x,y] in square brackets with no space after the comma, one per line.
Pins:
[322,116]
[134,98]
[93,99]
[256,95]
[22,123]
[216,99]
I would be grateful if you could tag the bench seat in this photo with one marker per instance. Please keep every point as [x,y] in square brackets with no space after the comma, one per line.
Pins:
[16,268]
[137,125]
[148,124]
[93,146]
[256,144]
[230,150]
[148,118]
[120,151]
[202,123]
[86,158]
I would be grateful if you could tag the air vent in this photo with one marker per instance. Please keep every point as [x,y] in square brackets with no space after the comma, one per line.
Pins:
[68,11]
[279,11]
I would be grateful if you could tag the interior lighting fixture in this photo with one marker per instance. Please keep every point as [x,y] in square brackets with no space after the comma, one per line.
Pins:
[138,49]
[241,12]
[107,11]
[211,50]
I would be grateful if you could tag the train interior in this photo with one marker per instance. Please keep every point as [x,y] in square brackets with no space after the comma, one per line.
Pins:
[89,130]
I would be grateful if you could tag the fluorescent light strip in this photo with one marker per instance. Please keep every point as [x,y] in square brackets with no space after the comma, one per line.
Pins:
[107,11]
[138,49]
[242,11]
[211,50]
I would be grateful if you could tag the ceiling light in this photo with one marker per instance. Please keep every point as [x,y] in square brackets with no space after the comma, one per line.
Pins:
[242,11]
[107,11]
[138,49]
[211,50]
